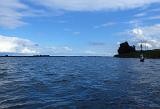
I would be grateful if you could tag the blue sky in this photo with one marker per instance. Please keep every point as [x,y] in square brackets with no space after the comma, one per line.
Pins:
[77,27]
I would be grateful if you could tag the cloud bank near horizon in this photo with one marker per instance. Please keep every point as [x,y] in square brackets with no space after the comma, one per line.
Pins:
[21,46]
[17,45]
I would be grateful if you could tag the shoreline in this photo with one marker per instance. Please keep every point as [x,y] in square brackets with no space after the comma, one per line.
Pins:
[149,54]
[56,56]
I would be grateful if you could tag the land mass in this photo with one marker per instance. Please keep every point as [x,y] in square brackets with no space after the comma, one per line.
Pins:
[127,51]
[154,54]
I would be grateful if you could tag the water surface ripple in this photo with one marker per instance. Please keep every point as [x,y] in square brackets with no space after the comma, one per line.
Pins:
[79,83]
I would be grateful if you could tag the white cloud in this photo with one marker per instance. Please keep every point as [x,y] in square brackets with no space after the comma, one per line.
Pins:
[149,35]
[152,31]
[154,18]
[60,50]
[28,51]
[9,14]
[97,52]
[12,13]
[68,49]
[72,31]
[134,22]
[94,5]
[137,32]
[22,46]
[150,14]
[140,14]
[67,29]
[16,45]
[108,24]
[76,33]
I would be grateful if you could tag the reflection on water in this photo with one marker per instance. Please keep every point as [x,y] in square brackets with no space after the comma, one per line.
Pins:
[79,83]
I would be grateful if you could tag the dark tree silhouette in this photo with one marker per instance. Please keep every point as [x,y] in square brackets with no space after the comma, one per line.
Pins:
[126,48]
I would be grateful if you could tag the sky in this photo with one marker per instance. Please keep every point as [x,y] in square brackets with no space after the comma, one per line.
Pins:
[77,27]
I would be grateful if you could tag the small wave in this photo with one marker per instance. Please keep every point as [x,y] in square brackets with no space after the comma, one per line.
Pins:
[61,81]
[1,63]
[40,86]
[3,69]
[2,75]
[78,82]
[27,105]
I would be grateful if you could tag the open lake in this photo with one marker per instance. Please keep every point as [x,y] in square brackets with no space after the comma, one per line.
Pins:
[79,83]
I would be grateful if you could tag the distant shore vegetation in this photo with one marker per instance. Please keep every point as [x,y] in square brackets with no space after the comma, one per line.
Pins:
[127,51]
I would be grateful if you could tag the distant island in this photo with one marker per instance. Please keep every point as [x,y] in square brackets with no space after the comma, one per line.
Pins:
[127,51]
[25,56]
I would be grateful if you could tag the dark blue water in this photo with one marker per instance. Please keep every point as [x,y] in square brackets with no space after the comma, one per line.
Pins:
[79,83]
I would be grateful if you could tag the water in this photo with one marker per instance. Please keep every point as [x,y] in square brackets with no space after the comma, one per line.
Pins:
[79,83]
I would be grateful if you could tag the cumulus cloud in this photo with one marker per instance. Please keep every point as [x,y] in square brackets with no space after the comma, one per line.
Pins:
[94,5]
[22,46]
[16,45]
[137,32]
[148,36]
